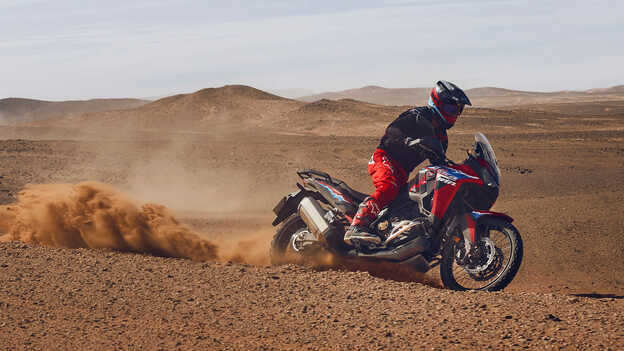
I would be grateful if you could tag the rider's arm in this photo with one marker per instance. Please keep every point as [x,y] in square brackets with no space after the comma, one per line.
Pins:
[443,137]
[399,132]
[431,148]
[394,138]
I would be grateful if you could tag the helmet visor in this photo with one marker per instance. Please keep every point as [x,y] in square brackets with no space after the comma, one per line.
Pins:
[452,109]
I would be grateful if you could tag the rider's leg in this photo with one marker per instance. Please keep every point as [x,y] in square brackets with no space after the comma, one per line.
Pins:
[367,212]
[388,177]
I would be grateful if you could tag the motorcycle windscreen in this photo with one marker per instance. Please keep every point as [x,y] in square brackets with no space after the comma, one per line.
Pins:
[482,144]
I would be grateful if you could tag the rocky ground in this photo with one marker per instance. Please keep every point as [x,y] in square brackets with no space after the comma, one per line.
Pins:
[59,299]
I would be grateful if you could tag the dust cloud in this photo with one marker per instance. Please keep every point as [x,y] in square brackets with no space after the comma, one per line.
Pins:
[250,248]
[96,215]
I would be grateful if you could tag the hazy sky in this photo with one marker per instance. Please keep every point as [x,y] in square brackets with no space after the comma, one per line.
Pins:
[78,49]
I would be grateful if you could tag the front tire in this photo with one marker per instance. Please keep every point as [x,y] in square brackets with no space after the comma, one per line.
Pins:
[497,272]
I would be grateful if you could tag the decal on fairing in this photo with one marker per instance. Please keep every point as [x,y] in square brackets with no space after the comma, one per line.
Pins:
[453,174]
[477,214]
[334,193]
[448,182]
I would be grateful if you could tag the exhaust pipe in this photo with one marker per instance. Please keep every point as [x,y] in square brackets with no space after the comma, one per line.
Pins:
[312,215]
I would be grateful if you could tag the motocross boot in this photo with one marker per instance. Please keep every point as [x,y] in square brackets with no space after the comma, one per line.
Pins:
[358,231]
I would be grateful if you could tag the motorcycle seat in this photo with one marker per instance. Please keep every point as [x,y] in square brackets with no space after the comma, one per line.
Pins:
[352,193]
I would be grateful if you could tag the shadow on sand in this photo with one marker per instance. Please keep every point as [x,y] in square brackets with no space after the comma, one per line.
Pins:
[599,296]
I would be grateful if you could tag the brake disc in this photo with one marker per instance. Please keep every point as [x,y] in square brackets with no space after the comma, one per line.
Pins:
[301,239]
[490,249]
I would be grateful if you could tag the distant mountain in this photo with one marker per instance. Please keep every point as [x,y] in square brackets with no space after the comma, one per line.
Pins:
[292,93]
[484,97]
[618,89]
[376,95]
[18,110]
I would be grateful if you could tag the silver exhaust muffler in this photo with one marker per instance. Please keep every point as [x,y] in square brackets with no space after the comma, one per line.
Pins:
[313,216]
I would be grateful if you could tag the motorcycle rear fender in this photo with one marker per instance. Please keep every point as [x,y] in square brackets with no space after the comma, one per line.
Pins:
[470,221]
[290,203]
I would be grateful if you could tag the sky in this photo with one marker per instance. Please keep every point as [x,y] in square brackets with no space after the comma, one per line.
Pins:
[81,49]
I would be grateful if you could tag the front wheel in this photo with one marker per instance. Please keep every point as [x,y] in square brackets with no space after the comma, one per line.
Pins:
[488,265]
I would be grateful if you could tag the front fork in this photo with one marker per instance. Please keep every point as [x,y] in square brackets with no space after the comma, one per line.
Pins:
[461,229]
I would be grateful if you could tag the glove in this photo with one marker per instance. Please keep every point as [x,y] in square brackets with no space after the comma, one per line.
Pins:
[431,146]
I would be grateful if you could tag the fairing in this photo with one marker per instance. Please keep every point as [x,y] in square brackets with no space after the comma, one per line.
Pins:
[484,149]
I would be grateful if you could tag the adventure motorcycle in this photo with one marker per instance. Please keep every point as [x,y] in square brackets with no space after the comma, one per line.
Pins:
[440,217]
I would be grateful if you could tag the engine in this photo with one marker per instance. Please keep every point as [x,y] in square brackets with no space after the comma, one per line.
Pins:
[397,230]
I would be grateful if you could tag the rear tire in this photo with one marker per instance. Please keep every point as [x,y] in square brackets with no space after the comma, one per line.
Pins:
[506,275]
[279,252]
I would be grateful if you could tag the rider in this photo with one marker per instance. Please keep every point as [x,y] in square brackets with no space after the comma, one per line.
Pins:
[396,157]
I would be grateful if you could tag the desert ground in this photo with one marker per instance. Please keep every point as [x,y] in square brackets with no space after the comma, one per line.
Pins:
[218,160]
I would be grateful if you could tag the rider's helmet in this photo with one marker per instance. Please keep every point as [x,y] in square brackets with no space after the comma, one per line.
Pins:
[449,101]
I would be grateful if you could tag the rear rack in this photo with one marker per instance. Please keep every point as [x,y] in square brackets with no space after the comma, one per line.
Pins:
[308,172]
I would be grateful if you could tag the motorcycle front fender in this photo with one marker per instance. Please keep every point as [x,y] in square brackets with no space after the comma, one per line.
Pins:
[469,222]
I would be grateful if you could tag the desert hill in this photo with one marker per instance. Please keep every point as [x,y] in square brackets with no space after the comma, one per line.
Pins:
[18,110]
[340,117]
[213,109]
[484,97]
[236,108]
[610,108]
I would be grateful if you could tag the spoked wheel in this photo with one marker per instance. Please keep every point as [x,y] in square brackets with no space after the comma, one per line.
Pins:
[292,242]
[489,265]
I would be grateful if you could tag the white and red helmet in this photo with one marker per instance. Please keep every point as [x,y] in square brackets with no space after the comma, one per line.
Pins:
[449,101]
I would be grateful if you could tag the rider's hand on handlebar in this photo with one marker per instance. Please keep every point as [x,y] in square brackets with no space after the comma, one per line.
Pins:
[411,142]
[431,146]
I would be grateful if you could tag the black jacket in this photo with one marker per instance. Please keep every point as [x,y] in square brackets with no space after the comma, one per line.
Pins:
[415,123]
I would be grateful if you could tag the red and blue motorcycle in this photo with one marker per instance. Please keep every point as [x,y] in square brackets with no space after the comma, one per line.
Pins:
[441,217]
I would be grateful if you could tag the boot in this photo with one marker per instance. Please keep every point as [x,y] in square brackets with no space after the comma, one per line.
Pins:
[358,231]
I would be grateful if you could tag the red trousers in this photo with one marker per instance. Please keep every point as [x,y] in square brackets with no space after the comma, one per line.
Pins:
[388,177]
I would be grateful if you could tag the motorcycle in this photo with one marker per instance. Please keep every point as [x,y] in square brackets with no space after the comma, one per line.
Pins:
[441,217]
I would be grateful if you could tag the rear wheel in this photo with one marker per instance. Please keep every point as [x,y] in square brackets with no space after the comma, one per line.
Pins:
[286,244]
[490,265]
